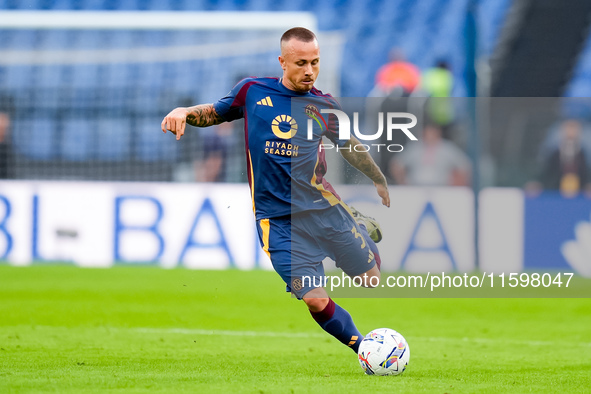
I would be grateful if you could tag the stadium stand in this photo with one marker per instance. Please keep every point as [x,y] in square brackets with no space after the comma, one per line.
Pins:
[424,29]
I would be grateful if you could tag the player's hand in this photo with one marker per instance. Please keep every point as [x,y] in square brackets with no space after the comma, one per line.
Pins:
[384,193]
[175,122]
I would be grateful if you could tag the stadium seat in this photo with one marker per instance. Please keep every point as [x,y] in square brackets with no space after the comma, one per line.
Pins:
[35,138]
[21,4]
[152,145]
[49,76]
[23,40]
[195,5]
[54,39]
[258,5]
[229,5]
[91,5]
[6,38]
[87,40]
[114,138]
[157,5]
[18,77]
[122,5]
[63,5]
[116,75]
[580,85]
[77,140]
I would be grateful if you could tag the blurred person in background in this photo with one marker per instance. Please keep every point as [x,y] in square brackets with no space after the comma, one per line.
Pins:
[437,83]
[398,77]
[431,161]
[212,167]
[565,166]
[205,154]
[394,83]
[5,144]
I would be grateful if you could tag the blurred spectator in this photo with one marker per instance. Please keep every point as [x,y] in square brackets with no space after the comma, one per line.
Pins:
[204,155]
[212,167]
[431,161]
[565,167]
[554,138]
[398,76]
[438,81]
[6,167]
[437,84]
[394,83]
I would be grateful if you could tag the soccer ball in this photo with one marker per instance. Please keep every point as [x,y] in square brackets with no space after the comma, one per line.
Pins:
[383,352]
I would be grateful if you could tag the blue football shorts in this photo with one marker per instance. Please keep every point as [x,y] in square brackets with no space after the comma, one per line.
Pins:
[297,244]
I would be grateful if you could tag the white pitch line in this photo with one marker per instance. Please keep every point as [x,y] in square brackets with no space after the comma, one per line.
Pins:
[197,331]
[505,340]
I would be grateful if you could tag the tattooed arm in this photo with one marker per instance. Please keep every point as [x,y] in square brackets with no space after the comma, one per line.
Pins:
[365,163]
[202,115]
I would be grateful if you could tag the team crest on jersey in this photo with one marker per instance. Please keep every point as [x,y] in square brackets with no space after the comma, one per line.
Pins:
[313,113]
[296,284]
[284,126]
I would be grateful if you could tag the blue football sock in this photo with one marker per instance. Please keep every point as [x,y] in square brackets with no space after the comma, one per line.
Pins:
[338,322]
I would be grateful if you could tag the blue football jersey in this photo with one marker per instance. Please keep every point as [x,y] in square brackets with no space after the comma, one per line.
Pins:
[285,166]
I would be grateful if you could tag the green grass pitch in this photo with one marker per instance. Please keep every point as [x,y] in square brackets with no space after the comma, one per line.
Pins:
[129,329]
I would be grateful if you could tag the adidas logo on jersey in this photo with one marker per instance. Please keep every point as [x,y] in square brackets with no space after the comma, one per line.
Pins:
[266,101]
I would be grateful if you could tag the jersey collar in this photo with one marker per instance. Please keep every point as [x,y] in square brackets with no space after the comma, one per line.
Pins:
[292,92]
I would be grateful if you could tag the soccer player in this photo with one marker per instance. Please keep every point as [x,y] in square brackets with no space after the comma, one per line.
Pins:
[300,218]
